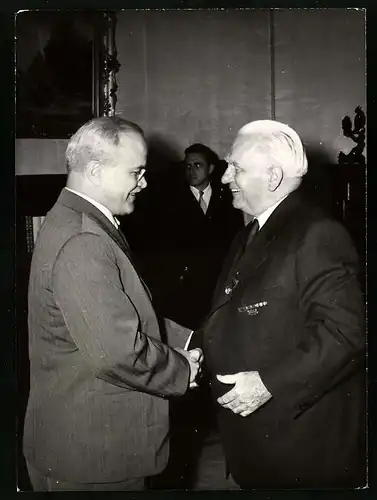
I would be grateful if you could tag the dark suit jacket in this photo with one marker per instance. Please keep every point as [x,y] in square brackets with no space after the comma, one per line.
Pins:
[99,372]
[191,248]
[304,334]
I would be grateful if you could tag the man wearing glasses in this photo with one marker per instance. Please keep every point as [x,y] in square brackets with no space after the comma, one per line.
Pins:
[97,416]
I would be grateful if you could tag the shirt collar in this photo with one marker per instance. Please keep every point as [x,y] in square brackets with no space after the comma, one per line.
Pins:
[262,218]
[100,207]
[206,190]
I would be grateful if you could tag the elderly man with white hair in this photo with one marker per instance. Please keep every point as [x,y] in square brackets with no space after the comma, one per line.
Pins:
[285,341]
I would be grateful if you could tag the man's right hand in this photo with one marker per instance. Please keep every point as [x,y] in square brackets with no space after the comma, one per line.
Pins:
[195,359]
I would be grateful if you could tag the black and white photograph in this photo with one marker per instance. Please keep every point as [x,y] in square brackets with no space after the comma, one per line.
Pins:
[191,249]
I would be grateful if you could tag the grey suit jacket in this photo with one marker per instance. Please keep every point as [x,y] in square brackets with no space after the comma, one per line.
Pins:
[99,371]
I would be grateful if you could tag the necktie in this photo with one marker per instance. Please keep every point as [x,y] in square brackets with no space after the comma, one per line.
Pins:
[249,232]
[202,203]
[254,228]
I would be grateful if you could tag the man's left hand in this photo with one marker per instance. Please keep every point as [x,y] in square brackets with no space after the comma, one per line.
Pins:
[248,394]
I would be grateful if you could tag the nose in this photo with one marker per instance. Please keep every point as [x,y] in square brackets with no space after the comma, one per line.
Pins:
[228,175]
[142,183]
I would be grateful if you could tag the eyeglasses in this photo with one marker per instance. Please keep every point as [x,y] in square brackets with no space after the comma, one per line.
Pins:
[140,174]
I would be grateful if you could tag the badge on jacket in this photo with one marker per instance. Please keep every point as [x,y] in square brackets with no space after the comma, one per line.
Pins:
[252,309]
[229,289]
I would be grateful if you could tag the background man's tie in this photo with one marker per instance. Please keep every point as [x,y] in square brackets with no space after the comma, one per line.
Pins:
[202,203]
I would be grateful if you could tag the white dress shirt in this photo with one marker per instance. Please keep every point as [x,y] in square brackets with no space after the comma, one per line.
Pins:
[207,192]
[262,218]
[100,207]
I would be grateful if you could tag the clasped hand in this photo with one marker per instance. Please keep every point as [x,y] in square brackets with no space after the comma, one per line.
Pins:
[247,395]
[195,359]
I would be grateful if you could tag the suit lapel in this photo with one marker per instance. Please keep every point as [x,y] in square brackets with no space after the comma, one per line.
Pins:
[255,255]
[193,202]
[257,252]
[232,257]
[214,201]
[79,204]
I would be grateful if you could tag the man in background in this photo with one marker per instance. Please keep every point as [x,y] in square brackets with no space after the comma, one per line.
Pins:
[198,225]
[97,416]
[285,340]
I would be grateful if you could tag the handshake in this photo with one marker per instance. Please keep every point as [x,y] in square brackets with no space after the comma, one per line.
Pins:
[195,359]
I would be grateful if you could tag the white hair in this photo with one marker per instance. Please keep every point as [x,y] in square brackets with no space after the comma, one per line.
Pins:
[283,143]
[96,140]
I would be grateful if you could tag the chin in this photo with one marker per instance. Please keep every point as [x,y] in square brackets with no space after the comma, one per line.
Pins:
[238,204]
[127,208]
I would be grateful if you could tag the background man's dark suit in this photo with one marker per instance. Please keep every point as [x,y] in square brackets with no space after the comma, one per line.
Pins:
[179,249]
[99,372]
[305,337]
[194,247]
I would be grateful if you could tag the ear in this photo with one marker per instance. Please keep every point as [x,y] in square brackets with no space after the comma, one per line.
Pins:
[211,168]
[93,172]
[275,176]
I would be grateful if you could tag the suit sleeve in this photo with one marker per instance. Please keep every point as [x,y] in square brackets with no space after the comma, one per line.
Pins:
[105,324]
[196,340]
[330,298]
[176,334]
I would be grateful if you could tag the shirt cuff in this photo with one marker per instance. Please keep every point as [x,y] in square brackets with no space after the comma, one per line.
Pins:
[188,341]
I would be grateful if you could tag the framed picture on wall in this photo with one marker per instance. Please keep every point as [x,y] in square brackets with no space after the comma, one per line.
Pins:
[58,71]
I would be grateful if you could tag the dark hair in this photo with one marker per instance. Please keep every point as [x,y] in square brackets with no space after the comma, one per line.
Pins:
[210,156]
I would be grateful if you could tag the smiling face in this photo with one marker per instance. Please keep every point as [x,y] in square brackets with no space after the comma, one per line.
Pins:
[122,177]
[248,177]
[197,170]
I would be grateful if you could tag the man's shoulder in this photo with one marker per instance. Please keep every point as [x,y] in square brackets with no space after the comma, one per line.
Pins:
[298,216]
[312,214]
[314,226]
[62,224]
